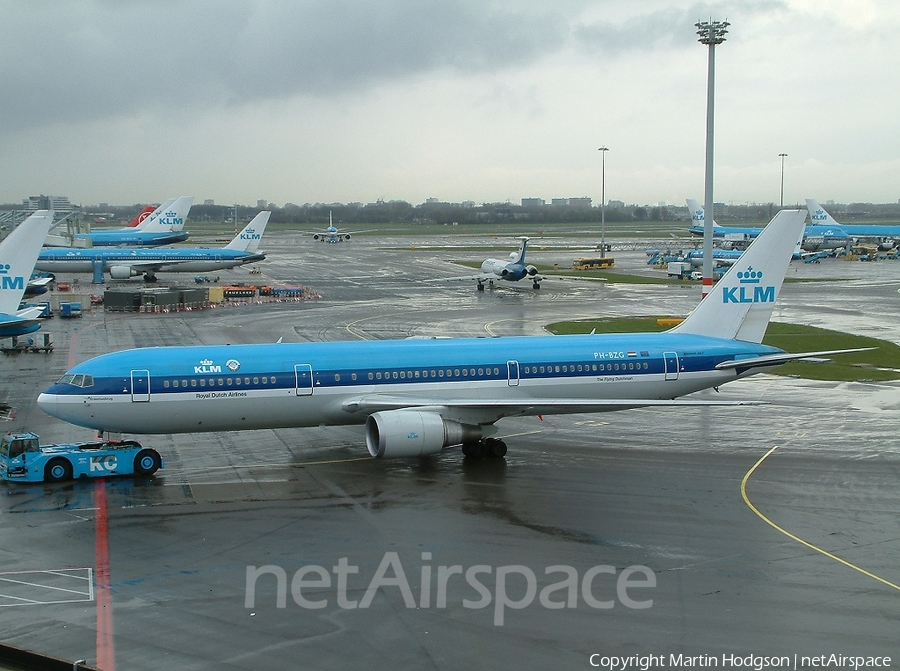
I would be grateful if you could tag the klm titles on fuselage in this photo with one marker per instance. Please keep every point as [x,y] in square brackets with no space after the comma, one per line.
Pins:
[749,290]
[207,367]
[8,282]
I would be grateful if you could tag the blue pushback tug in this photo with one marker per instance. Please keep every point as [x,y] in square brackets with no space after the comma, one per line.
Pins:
[24,459]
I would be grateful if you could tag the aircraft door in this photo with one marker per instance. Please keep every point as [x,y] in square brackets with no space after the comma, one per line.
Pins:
[140,386]
[671,359]
[304,377]
[512,369]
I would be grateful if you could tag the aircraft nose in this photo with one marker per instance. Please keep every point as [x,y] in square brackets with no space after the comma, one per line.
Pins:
[47,403]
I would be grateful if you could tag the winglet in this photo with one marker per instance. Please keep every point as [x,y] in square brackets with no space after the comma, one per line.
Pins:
[248,239]
[740,304]
[18,254]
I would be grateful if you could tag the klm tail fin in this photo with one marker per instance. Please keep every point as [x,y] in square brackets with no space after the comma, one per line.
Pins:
[818,216]
[18,254]
[740,304]
[248,239]
[167,217]
[698,214]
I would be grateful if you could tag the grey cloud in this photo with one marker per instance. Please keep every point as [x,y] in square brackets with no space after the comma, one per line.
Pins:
[84,60]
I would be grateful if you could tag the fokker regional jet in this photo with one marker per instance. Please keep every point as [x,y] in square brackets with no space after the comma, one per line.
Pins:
[418,397]
[122,263]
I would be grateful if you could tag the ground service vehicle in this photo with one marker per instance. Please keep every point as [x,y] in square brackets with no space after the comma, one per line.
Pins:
[24,459]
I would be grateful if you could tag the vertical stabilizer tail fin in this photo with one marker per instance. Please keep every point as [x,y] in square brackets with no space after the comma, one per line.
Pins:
[520,255]
[168,217]
[740,304]
[18,254]
[695,209]
[248,239]
[818,215]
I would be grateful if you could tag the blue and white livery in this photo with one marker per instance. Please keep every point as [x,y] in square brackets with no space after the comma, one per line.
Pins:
[18,253]
[819,235]
[419,397]
[123,263]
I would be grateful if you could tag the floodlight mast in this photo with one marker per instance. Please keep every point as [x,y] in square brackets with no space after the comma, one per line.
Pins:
[710,33]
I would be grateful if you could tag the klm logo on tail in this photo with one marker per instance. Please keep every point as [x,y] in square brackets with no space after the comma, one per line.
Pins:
[251,234]
[750,291]
[819,216]
[7,282]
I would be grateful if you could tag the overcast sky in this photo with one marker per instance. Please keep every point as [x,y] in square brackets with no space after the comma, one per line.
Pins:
[133,101]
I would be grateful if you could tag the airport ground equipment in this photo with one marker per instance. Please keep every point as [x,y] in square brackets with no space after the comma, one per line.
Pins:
[596,263]
[38,342]
[24,459]
[69,310]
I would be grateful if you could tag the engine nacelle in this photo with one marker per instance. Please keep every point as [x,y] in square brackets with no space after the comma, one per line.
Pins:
[346,236]
[318,237]
[122,272]
[413,433]
[531,270]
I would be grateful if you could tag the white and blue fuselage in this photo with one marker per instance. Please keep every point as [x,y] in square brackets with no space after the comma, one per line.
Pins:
[230,387]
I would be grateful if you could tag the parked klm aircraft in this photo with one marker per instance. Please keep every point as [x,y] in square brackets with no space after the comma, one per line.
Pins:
[418,397]
[18,252]
[512,269]
[163,226]
[888,236]
[816,237]
[122,263]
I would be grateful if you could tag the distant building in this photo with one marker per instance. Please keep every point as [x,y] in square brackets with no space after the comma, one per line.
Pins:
[583,203]
[262,204]
[532,202]
[209,201]
[57,203]
[559,202]
[616,205]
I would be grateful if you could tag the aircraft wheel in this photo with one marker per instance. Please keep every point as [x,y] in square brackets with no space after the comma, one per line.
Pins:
[497,449]
[535,286]
[57,470]
[147,462]
[480,287]
[474,450]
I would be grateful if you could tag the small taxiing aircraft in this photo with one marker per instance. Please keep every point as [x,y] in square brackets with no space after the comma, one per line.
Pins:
[18,253]
[419,397]
[511,269]
[123,263]
[333,234]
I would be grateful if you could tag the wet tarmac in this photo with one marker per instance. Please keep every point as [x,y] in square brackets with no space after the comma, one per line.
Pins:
[644,532]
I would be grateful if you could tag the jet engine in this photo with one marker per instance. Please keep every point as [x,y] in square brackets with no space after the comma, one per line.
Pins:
[413,433]
[122,272]
[346,236]
[531,270]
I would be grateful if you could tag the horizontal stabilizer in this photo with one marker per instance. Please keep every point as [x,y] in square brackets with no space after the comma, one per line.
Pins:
[784,357]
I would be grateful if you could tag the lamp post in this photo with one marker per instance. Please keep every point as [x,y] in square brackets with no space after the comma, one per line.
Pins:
[782,179]
[710,33]
[603,151]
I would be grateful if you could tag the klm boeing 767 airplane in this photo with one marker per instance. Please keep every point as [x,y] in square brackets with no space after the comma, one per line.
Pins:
[418,397]
[122,263]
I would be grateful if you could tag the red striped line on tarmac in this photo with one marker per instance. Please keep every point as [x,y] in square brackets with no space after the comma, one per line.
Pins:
[105,653]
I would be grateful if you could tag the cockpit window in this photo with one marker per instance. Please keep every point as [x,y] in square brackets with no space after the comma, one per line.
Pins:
[77,380]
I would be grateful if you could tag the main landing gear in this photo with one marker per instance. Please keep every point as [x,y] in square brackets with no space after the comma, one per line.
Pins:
[487,448]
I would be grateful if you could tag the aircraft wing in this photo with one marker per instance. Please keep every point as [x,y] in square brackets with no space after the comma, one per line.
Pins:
[776,359]
[490,410]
